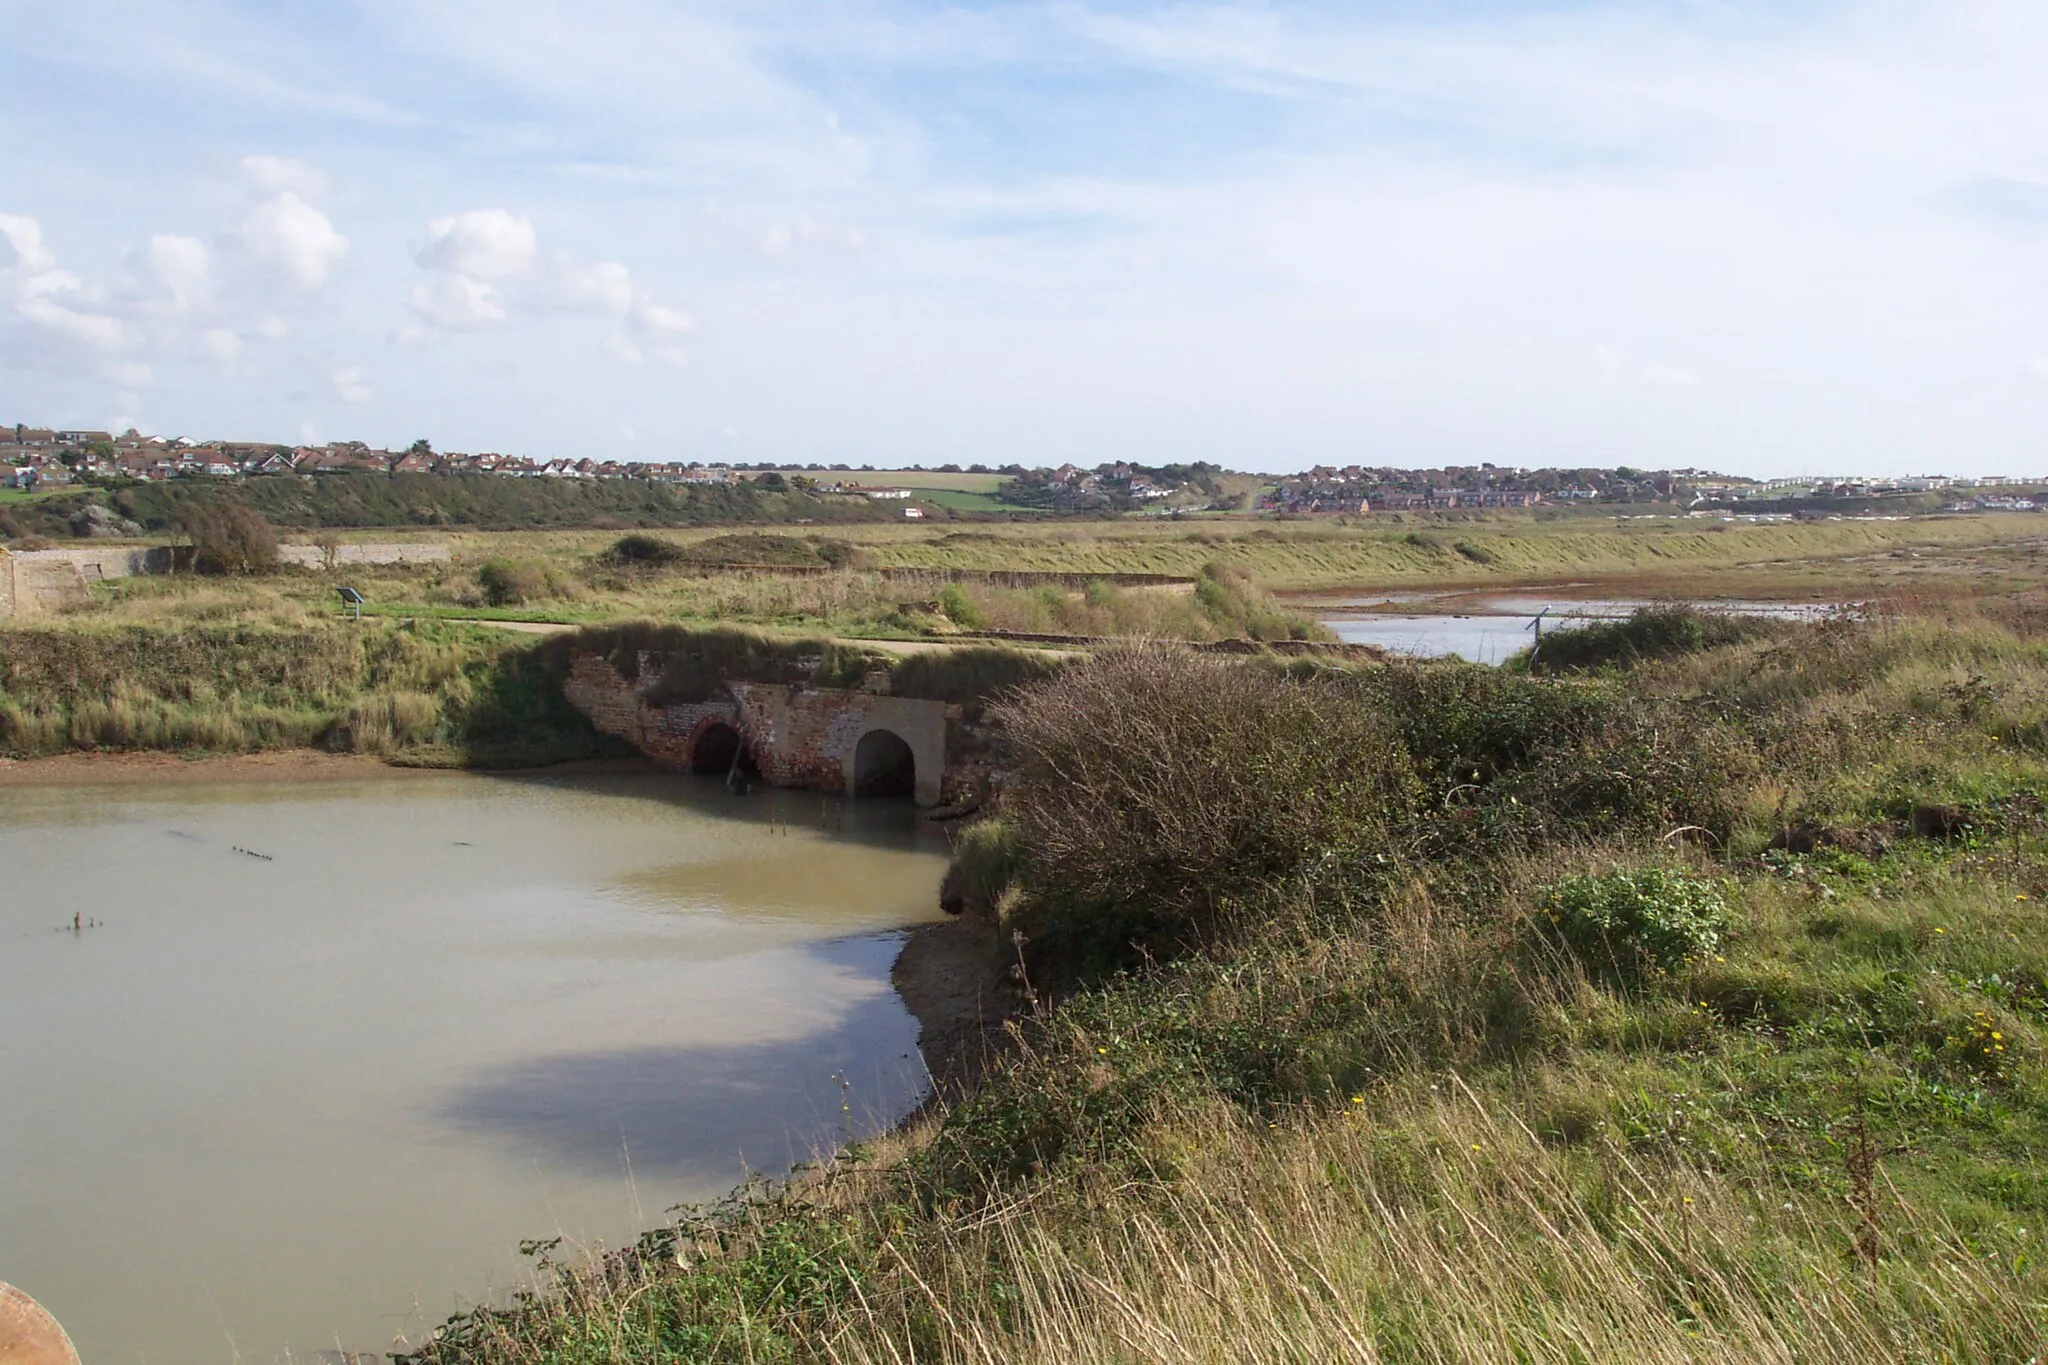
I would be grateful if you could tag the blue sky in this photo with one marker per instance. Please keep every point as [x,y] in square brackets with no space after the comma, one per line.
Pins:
[1766,238]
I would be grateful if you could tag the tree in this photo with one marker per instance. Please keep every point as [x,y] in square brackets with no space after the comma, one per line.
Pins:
[420,447]
[228,537]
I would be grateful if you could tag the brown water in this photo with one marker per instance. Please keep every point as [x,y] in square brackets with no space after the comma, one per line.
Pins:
[311,1102]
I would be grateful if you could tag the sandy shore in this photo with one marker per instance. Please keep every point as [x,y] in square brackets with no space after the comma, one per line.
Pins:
[284,765]
[953,981]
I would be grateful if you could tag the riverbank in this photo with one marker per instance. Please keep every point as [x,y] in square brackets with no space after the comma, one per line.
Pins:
[1683,1004]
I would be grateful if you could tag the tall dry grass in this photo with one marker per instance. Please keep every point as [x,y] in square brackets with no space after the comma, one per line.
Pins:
[1445,1233]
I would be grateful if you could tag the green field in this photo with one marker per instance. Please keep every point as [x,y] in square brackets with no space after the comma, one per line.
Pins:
[909,478]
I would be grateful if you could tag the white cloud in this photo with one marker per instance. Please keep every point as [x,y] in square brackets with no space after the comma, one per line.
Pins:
[351,384]
[176,269]
[484,244]
[605,287]
[459,303]
[294,240]
[656,317]
[26,254]
[488,267]
[283,174]
[2039,365]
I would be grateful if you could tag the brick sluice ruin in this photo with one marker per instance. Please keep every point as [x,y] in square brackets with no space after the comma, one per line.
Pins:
[856,742]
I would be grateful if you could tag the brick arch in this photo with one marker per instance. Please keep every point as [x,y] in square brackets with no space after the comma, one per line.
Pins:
[714,744]
[925,744]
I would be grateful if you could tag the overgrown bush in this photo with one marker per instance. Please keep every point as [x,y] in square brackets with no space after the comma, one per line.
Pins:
[228,537]
[641,551]
[1161,787]
[957,609]
[1639,921]
[511,583]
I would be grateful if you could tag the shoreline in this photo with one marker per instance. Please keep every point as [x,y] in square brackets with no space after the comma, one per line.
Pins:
[157,767]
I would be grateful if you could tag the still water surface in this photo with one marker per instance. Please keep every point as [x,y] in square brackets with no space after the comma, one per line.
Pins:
[1498,626]
[312,1101]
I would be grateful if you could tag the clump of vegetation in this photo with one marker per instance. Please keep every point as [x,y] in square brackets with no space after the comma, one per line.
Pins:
[1637,921]
[953,604]
[511,583]
[753,548]
[227,537]
[1650,633]
[970,676]
[1162,787]
[643,551]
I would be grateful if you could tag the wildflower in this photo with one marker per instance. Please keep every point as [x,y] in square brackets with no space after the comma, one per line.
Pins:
[1719,958]
[1358,1099]
[2022,896]
[1103,1051]
[1477,1148]
[1688,1199]
[1939,930]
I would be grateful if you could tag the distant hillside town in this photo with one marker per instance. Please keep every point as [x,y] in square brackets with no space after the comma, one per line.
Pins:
[34,458]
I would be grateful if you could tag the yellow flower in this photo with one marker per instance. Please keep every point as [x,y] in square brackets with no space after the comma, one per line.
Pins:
[1103,1050]
[1358,1099]
[1477,1148]
[1939,930]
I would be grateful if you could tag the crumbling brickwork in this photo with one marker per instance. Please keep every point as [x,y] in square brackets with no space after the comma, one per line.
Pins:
[807,737]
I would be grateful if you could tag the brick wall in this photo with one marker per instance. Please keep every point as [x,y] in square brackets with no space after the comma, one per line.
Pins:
[806,737]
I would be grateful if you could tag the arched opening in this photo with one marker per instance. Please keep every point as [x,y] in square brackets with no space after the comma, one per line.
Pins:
[716,746]
[883,765]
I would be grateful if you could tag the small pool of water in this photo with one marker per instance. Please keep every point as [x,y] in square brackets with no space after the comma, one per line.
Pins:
[1499,626]
[336,1048]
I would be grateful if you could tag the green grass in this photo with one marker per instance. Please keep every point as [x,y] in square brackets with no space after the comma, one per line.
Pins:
[910,478]
[962,501]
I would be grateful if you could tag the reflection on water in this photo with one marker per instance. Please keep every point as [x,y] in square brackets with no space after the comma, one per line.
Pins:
[310,1099]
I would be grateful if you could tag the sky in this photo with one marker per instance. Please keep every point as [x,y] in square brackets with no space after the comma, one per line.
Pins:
[1760,236]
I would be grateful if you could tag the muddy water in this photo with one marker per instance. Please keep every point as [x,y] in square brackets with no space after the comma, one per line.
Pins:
[311,1101]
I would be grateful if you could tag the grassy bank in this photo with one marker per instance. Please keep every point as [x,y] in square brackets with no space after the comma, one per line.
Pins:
[412,691]
[799,584]
[1683,1003]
